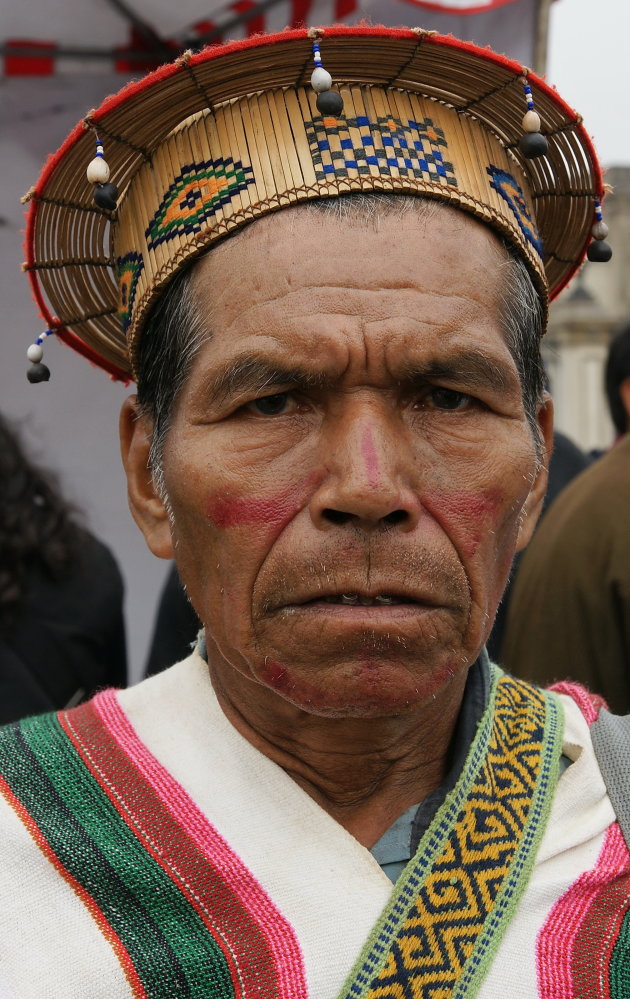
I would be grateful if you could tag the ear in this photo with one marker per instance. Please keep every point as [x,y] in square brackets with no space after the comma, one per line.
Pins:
[624,393]
[533,505]
[148,510]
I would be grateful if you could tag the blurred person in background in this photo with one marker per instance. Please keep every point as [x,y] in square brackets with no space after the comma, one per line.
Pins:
[574,578]
[567,461]
[176,626]
[62,633]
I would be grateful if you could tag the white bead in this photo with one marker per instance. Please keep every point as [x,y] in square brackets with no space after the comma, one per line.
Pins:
[98,171]
[599,230]
[531,121]
[35,353]
[321,80]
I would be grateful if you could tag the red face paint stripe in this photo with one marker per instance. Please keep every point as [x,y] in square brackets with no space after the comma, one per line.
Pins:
[192,852]
[226,511]
[371,459]
[95,911]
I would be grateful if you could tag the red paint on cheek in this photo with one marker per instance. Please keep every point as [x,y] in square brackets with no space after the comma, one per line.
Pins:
[466,516]
[370,458]
[237,511]
[275,675]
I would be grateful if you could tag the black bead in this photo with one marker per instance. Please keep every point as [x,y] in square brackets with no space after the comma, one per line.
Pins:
[330,102]
[105,196]
[533,144]
[599,251]
[38,373]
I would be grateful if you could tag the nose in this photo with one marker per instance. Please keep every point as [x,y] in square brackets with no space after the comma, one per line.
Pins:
[369,484]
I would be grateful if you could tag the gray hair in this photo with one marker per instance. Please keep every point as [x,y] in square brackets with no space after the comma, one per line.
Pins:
[176,330]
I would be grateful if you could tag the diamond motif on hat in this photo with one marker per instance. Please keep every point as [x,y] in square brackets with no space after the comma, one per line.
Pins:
[129,269]
[194,197]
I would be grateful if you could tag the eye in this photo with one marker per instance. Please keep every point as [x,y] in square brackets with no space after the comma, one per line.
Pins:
[444,398]
[271,405]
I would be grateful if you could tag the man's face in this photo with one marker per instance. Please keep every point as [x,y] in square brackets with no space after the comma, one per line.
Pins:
[350,465]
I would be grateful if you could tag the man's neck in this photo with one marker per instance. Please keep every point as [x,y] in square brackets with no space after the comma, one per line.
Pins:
[364,772]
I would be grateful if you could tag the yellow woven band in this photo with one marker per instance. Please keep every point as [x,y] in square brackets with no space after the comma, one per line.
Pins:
[221,169]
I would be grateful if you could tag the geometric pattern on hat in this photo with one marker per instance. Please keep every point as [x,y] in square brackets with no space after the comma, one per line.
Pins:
[194,197]
[412,148]
[509,189]
[221,169]
[129,269]
[248,105]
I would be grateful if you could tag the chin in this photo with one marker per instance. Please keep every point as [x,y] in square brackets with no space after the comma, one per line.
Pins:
[369,689]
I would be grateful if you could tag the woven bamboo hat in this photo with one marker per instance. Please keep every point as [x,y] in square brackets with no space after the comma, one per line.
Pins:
[207,144]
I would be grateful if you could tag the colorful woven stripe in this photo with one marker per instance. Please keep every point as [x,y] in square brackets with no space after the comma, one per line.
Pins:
[452,905]
[183,915]
[589,704]
[583,950]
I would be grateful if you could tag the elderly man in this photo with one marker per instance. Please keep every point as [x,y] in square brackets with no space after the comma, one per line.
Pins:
[340,435]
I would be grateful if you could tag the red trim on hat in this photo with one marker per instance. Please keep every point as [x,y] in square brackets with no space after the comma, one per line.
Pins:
[30,65]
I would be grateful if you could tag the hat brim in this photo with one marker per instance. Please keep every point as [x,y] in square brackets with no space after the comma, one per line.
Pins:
[68,239]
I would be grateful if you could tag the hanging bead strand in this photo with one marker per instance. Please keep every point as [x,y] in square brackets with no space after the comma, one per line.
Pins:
[329,102]
[532,143]
[37,371]
[599,251]
[105,194]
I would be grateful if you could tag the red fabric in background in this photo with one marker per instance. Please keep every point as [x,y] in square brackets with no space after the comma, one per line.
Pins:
[35,65]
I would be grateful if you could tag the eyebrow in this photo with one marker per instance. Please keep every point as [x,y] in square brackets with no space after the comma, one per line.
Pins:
[471,368]
[249,374]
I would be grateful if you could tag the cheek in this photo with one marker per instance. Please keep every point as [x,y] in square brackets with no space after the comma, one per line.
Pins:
[226,509]
[467,517]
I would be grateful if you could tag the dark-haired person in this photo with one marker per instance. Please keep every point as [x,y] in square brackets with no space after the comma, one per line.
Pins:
[574,578]
[62,634]
[333,298]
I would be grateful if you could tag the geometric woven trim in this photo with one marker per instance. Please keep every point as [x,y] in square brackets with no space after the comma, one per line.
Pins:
[453,902]
[511,192]
[413,149]
[194,198]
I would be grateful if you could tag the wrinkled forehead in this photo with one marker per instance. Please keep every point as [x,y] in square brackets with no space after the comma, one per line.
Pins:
[393,240]
[371,277]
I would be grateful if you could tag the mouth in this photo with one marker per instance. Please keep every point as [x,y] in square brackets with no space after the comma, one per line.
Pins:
[361,600]
[356,602]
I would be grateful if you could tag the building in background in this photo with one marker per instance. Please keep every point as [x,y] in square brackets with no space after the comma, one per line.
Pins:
[581,324]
